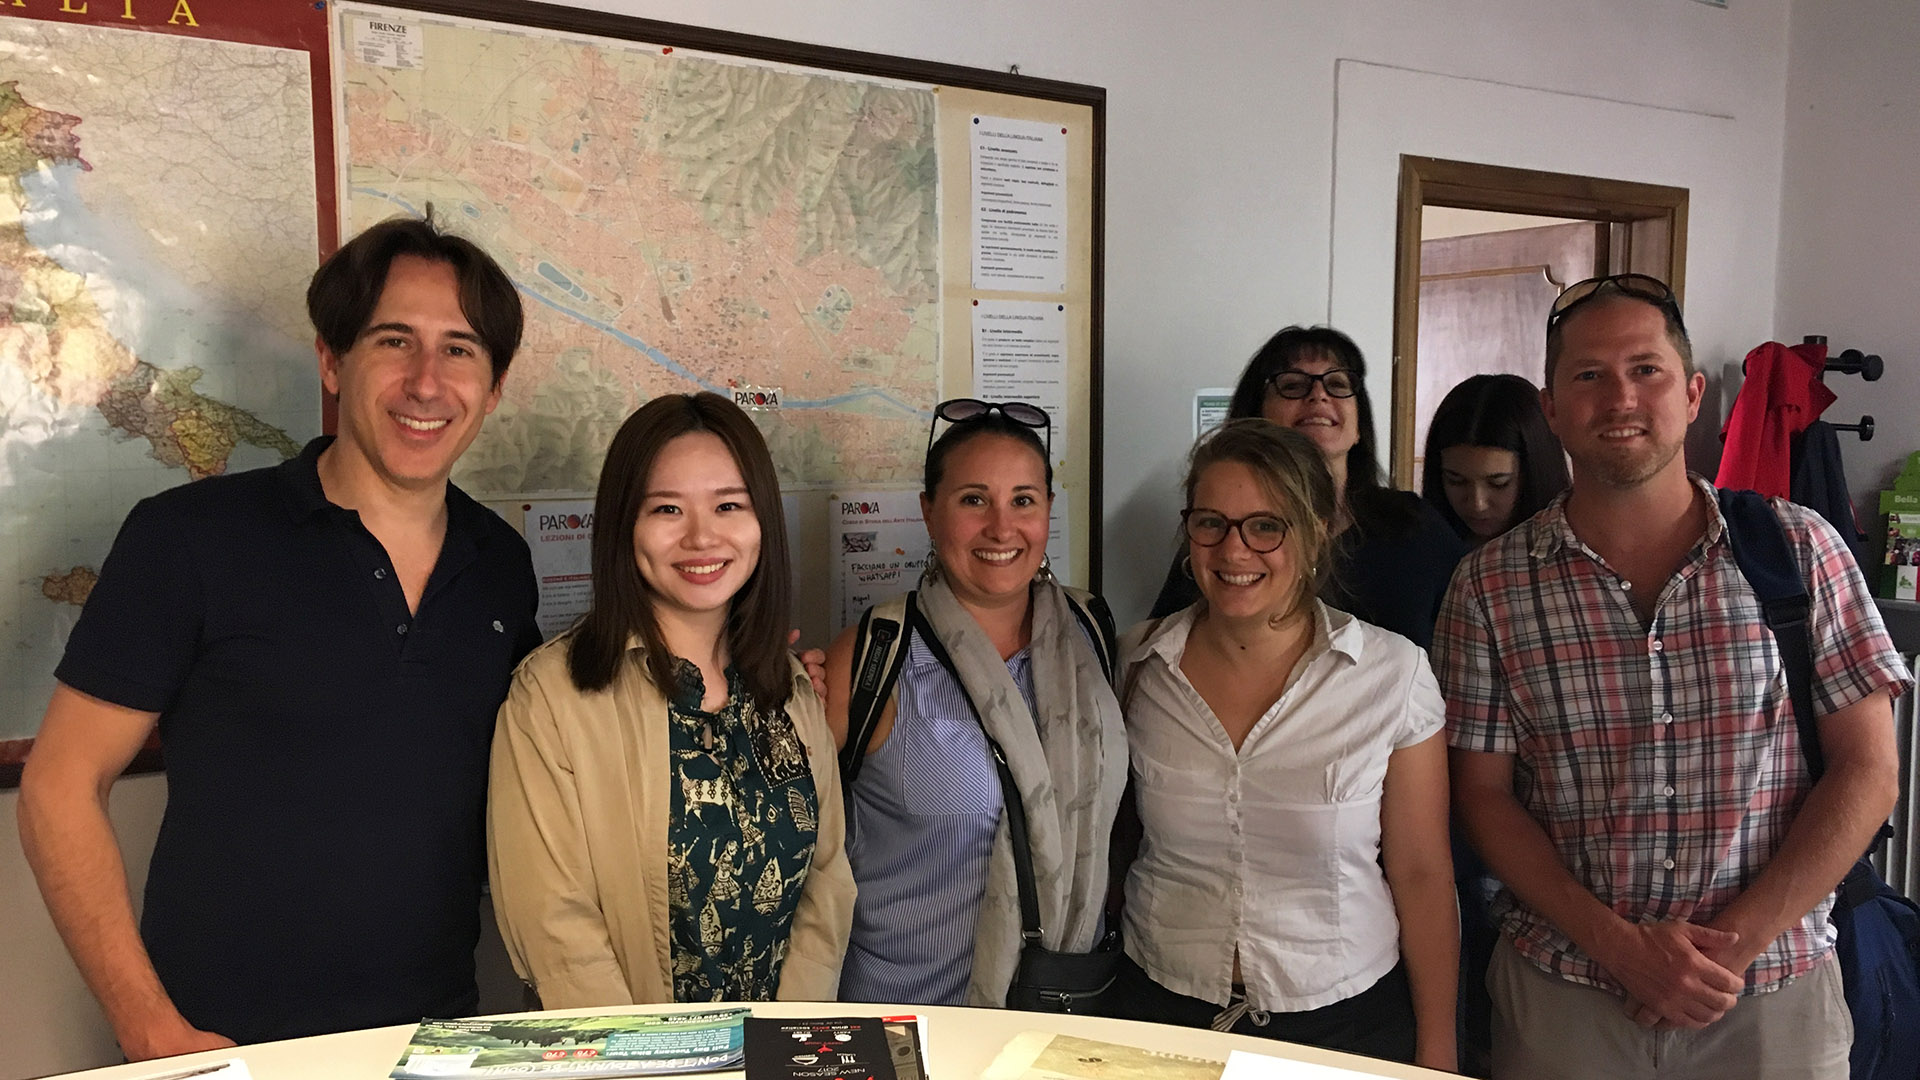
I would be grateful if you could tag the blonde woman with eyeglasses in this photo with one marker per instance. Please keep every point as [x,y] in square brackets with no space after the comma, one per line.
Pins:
[1293,879]
[1391,555]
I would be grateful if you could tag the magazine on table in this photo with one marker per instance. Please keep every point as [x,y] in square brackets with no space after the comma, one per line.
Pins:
[563,1046]
[840,1048]
[1047,1055]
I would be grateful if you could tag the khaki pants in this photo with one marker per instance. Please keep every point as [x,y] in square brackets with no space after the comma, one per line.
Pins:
[1546,1028]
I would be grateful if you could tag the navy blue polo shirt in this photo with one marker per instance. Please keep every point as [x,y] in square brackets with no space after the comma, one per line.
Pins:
[319,865]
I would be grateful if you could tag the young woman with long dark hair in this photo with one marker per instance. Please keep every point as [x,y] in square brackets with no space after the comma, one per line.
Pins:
[665,818]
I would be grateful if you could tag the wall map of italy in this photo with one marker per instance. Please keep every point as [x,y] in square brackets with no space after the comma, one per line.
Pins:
[157,227]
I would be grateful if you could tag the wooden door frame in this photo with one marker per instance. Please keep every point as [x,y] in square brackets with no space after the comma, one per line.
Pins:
[1426,181]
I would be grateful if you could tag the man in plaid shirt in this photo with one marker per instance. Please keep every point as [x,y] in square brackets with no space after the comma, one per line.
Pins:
[1624,750]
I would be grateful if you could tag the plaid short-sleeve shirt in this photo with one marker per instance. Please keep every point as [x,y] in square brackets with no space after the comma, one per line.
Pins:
[1662,760]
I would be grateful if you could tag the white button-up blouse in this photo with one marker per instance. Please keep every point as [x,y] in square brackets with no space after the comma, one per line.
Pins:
[1273,851]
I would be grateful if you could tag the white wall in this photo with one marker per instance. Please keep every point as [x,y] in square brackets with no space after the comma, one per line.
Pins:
[48,1021]
[1850,226]
[1224,126]
[1731,170]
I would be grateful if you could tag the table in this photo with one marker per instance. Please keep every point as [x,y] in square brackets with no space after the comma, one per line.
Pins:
[962,1042]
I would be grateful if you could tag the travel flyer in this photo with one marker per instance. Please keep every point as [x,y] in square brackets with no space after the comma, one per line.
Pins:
[637,1045]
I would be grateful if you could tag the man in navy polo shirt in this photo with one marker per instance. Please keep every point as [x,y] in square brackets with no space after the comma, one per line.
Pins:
[323,645]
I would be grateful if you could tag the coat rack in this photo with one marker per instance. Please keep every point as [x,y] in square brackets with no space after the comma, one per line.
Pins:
[1868,366]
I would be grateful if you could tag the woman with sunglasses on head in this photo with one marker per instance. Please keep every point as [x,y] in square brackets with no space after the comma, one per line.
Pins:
[1491,460]
[665,820]
[1392,555]
[1293,880]
[996,658]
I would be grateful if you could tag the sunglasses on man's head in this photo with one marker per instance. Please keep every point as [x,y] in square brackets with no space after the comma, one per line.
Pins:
[1639,286]
[966,409]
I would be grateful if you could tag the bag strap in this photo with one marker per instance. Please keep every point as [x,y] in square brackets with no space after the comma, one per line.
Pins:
[879,652]
[1761,548]
[1765,555]
[1096,618]
[1009,793]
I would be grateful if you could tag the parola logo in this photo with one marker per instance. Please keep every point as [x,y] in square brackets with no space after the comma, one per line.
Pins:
[756,397]
[859,507]
[566,522]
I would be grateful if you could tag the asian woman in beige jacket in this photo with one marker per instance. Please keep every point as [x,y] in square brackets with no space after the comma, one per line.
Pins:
[665,819]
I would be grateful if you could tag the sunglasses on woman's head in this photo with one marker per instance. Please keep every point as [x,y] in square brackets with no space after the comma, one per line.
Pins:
[966,409]
[1639,286]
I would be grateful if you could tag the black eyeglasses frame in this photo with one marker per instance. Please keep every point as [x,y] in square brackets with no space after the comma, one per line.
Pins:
[1186,528]
[1353,383]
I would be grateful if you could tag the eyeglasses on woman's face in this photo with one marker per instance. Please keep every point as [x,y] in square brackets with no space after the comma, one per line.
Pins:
[1209,528]
[1294,384]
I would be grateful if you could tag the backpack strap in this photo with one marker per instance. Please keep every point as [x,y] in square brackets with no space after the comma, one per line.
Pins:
[1096,618]
[879,652]
[1765,555]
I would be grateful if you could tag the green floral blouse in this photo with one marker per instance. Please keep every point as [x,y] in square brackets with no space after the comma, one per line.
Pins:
[745,815]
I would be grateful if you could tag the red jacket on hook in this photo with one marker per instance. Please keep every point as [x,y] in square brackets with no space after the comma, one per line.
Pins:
[1782,394]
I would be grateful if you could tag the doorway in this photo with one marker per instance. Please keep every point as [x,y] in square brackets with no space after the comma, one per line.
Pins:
[1471,293]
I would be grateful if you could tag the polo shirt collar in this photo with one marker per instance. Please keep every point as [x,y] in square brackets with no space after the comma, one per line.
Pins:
[1550,533]
[299,479]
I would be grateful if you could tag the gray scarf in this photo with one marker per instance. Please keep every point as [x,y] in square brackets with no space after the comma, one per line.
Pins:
[1069,764]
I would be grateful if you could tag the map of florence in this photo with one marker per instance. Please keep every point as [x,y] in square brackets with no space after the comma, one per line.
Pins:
[674,223]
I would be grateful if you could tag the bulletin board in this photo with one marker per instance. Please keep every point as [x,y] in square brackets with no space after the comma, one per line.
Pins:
[839,240]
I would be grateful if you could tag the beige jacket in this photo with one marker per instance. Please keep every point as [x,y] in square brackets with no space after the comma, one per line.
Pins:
[577,839]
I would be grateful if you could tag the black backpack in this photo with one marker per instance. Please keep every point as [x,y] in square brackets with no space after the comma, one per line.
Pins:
[1878,941]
